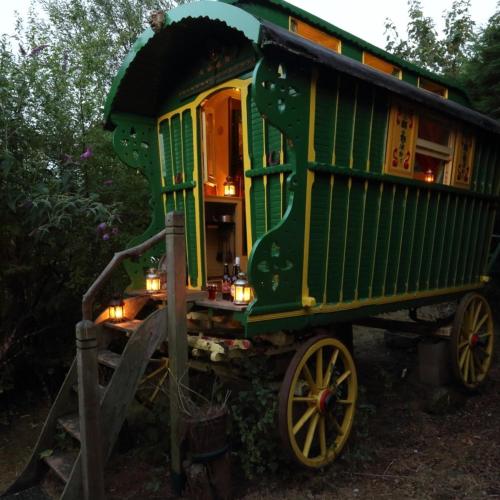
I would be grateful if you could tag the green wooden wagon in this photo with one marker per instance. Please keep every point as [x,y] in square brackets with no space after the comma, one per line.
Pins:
[363,185]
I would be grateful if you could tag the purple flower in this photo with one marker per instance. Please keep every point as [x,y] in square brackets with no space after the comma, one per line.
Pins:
[108,182]
[102,226]
[106,236]
[37,50]
[86,154]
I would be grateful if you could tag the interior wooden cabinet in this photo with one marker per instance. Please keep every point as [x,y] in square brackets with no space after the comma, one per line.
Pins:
[222,161]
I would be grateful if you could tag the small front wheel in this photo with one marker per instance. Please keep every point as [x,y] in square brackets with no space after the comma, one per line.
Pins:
[317,401]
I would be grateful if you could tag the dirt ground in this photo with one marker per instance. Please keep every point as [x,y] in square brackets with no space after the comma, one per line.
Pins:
[409,441]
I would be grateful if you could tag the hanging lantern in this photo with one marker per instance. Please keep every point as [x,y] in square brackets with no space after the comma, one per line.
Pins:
[116,309]
[153,284]
[229,187]
[429,175]
[242,291]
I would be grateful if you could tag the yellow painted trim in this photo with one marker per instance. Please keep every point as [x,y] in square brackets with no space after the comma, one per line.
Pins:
[308,301]
[192,107]
[405,206]
[264,165]
[372,112]
[163,167]
[431,257]
[349,187]
[336,121]
[384,286]
[379,207]
[353,128]
[357,304]
[422,251]
[325,289]
[412,245]
[365,194]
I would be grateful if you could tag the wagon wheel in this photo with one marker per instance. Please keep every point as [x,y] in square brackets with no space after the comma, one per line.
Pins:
[472,340]
[317,401]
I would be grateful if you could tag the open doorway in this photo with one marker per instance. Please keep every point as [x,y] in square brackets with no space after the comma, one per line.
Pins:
[222,160]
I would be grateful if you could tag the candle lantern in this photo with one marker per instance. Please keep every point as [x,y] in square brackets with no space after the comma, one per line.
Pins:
[242,291]
[116,309]
[153,283]
[229,187]
[429,175]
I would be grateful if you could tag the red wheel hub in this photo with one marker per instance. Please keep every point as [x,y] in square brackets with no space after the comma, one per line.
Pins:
[474,339]
[326,401]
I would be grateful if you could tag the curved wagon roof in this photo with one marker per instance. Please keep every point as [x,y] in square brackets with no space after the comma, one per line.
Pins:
[156,56]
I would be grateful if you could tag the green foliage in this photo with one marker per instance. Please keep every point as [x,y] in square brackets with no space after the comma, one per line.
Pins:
[423,46]
[66,202]
[254,413]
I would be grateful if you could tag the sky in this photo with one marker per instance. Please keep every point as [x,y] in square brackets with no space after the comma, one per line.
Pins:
[363,18]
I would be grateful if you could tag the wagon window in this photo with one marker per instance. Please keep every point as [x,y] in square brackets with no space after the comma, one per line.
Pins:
[433,87]
[381,65]
[314,34]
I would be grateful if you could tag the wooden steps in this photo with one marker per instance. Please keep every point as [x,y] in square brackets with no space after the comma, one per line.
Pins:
[71,424]
[127,327]
[109,358]
[62,462]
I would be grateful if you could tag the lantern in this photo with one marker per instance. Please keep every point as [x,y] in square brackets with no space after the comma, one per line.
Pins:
[116,309]
[229,187]
[153,284]
[242,291]
[429,175]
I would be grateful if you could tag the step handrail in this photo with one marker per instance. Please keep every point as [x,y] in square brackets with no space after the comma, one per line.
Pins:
[118,257]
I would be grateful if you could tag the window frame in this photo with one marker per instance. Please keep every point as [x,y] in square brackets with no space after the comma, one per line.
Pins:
[321,34]
[368,55]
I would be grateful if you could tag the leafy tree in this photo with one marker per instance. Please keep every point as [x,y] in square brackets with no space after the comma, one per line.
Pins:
[423,46]
[66,203]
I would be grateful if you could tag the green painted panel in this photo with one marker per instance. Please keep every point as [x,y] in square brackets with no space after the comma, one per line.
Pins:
[274,209]
[472,245]
[396,240]
[496,178]
[419,240]
[423,276]
[457,244]
[363,127]
[318,239]
[369,239]
[478,158]
[337,240]
[482,240]
[326,117]
[176,138]
[410,77]
[353,240]
[383,238]
[168,167]
[345,119]
[442,280]
[379,132]
[187,146]
[408,243]
[440,240]
[256,136]
[258,208]
[352,51]
[492,169]
[465,245]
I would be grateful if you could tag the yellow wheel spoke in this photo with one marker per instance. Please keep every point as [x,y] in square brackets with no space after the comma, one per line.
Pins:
[479,363]
[310,435]
[481,323]
[329,369]
[345,401]
[482,349]
[322,436]
[485,335]
[319,368]
[466,369]
[476,315]
[472,369]
[305,417]
[463,356]
[336,424]
[463,344]
[304,399]
[308,376]
[343,377]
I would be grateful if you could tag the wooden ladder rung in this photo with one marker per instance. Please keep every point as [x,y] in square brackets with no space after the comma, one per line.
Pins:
[71,424]
[109,358]
[128,327]
[61,462]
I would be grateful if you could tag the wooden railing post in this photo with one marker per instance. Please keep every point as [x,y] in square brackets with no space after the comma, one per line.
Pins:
[177,337]
[89,411]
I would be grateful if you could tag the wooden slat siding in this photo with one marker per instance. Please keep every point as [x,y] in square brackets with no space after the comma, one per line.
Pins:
[353,240]
[362,128]
[419,240]
[176,127]
[472,245]
[345,119]
[369,239]
[383,238]
[479,151]
[463,249]
[168,166]
[451,230]
[490,184]
[464,261]
[432,221]
[191,236]
[457,244]
[318,240]
[257,192]
[483,167]
[483,239]
[274,211]
[326,112]
[408,240]
[394,253]
[379,132]
[440,240]
[496,178]
[338,226]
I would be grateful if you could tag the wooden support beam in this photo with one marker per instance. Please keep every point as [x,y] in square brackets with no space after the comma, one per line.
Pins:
[89,411]
[177,338]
